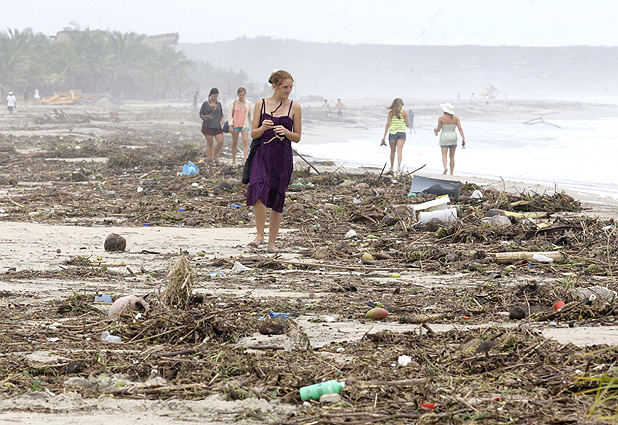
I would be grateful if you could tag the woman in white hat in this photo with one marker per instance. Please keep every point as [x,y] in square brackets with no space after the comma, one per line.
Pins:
[448,136]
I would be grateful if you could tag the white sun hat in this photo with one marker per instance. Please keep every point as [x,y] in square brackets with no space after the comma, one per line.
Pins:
[447,107]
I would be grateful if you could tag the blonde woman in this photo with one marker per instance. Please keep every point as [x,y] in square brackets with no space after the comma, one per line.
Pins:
[239,118]
[448,137]
[277,122]
[396,124]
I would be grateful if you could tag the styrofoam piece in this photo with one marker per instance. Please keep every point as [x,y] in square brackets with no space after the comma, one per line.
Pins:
[440,203]
[477,194]
[448,214]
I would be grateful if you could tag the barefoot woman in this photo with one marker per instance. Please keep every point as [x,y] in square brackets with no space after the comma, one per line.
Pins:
[448,136]
[240,115]
[212,122]
[276,123]
[396,124]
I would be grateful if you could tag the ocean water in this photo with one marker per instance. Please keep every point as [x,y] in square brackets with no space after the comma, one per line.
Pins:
[579,155]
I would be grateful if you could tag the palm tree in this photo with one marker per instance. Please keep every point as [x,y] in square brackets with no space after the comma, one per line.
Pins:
[14,57]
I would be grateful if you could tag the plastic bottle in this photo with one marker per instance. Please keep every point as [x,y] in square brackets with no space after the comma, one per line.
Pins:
[315,391]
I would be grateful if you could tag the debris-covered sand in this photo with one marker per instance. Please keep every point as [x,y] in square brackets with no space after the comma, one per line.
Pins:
[71,178]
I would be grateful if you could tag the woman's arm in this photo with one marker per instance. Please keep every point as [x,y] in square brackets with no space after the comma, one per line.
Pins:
[404,114]
[249,117]
[463,138]
[222,117]
[256,129]
[439,127]
[388,124]
[230,114]
[203,114]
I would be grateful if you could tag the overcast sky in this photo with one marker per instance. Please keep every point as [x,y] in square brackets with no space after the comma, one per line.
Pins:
[411,22]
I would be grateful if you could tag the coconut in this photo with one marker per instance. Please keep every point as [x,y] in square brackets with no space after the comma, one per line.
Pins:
[377,313]
[367,257]
[517,314]
[115,242]
[270,326]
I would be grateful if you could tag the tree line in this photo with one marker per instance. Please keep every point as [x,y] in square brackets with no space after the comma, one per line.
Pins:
[103,62]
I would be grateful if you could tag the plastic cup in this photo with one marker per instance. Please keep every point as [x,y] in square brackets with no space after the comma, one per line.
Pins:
[558,305]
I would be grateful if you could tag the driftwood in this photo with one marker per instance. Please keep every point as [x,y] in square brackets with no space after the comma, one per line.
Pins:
[512,257]
[303,158]
[540,120]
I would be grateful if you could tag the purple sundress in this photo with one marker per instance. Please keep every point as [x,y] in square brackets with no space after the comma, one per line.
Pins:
[271,169]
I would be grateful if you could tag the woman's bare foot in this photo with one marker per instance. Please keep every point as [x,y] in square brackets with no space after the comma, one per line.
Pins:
[273,249]
[444,172]
[256,242]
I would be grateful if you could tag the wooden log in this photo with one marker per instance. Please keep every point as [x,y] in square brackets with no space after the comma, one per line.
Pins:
[513,257]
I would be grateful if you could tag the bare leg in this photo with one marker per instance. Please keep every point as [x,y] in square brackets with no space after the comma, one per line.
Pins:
[273,230]
[400,144]
[393,147]
[444,159]
[234,146]
[259,209]
[219,138]
[451,151]
[245,144]
[208,146]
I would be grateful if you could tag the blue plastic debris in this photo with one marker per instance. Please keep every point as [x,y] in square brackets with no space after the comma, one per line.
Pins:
[103,299]
[189,169]
[274,316]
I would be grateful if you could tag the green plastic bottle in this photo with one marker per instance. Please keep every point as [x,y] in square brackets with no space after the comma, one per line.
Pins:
[316,391]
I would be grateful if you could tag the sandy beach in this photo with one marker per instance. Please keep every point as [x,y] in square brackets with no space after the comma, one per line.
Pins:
[67,183]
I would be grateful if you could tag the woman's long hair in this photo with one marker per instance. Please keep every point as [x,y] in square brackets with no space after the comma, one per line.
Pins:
[396,107]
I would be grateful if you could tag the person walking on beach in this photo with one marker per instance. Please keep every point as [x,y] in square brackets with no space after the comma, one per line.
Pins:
[339,109]
[37,98]
[212,123]
[195,96]
[26,98]
[11,102]
[240,116]
[325,109]
[411,119]
[396,124]
[277,121]
[448,137]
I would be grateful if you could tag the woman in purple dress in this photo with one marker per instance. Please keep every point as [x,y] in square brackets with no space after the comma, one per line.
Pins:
[276,123]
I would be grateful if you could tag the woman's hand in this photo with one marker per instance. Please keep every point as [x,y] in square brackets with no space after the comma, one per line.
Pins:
[280,130]
[463,143]
[267,124]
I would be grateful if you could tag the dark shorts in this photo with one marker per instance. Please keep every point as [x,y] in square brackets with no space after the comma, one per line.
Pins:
[207,131]
[397,136]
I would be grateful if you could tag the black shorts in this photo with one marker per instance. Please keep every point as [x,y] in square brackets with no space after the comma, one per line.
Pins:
[207,131]
[397,136]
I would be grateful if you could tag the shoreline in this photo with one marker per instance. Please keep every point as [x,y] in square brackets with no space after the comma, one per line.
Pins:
[362,123]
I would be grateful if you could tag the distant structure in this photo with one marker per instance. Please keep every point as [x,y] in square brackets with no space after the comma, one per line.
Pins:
[490,92]
[161,41]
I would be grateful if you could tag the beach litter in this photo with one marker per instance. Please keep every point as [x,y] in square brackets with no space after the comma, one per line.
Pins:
[189,169]
[126,305]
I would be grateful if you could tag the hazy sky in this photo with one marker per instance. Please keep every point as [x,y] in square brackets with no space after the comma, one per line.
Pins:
[445,22]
